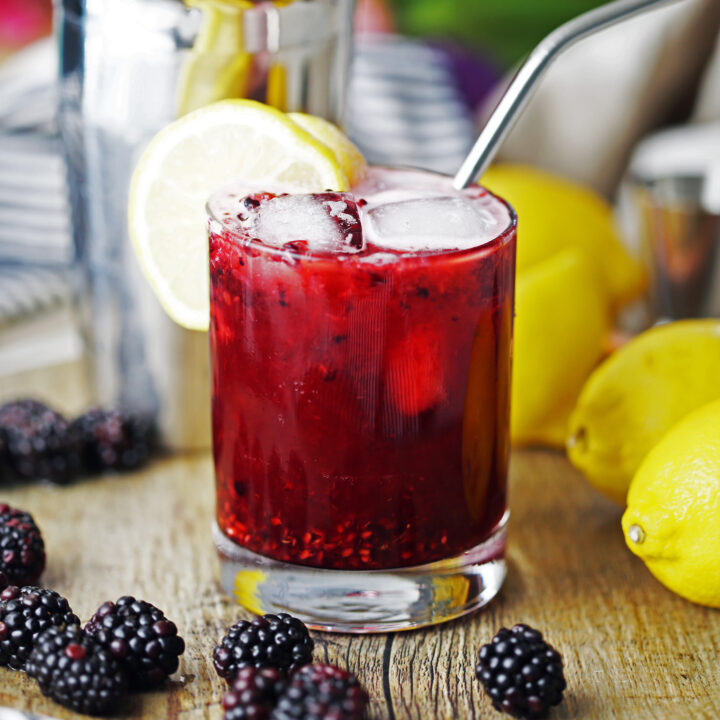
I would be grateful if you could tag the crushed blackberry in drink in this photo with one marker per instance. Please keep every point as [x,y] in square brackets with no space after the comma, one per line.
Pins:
[360,348]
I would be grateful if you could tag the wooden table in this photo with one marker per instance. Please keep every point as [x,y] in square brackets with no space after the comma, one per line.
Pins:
[632,649]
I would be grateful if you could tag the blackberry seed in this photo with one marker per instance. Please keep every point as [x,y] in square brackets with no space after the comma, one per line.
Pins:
[140,637]
[25,613]
[22,550]
[40,443]
[253,694]
[521,672]
[75,671]
[279,641]
[112,440]
[322,692]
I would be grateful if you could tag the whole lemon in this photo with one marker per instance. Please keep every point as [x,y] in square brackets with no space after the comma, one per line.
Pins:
[637,395]
[561,321]
[555,213]
[672,520]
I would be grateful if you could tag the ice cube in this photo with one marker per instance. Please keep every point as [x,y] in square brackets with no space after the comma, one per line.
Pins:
[431,224]
[327,222]
[344,211]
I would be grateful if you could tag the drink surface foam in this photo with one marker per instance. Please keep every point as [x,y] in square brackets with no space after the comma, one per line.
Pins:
[402,212]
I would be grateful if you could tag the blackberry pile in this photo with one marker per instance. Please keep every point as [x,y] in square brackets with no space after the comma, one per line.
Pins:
[75,671]
[22,550]
[112,440]
[280,641]
[25,613]
[39,442]
[128,645]
[521,672]
[267,665]
[140,638]
[322,692]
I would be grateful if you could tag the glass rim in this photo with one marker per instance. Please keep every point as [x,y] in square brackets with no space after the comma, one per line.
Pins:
[499,240]
[273,27]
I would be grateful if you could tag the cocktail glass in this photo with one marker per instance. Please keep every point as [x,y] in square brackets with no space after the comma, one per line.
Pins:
[360,399]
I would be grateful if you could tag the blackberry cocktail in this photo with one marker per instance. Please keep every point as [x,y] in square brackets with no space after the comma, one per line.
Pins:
[360,351]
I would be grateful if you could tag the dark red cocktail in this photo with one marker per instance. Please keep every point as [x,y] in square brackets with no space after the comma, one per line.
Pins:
[361,375]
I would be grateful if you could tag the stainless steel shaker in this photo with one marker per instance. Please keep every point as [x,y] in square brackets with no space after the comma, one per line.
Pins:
[673,195]
[127,68]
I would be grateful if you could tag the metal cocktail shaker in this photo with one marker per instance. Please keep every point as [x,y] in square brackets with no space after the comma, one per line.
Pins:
[127,68]
[671,198]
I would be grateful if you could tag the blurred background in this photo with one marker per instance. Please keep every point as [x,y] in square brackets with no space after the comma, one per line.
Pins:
[77,107]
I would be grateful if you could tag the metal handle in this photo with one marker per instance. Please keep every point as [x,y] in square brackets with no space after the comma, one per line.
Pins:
[527,78]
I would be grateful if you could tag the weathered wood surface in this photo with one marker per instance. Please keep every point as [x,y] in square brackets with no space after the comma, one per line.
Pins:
[632,649]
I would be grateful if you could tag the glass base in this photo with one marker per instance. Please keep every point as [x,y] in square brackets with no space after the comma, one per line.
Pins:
[355,601]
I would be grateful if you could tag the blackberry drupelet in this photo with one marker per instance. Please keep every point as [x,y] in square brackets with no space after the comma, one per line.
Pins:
[322,692]
[25,613]
[112,439]
[253,694]
[75,671]
[140,637]
[280,641]
[22,550]
[40,443]
[521,672]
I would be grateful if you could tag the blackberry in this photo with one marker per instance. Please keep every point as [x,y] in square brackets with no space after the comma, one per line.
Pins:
[253,694]
[521,672]
[73,670]
[280,641]
[40,442]
[140,637]
[322,692]
[112,440]
[22,550]
[25,613]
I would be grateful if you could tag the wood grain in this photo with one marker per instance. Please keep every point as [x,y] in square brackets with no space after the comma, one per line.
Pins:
[632,649]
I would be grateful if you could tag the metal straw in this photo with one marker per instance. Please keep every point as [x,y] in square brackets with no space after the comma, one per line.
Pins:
[528,77]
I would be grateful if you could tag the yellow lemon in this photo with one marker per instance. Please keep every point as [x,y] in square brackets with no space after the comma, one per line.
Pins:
[637,394]
[350,158]
[672,520]
[556,213]
[561,323]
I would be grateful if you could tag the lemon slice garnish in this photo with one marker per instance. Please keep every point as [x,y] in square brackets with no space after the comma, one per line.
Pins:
[231,140]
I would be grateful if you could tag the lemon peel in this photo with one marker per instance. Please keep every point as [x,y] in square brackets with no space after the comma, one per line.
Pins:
[672,521]
[558,306]
[637,395]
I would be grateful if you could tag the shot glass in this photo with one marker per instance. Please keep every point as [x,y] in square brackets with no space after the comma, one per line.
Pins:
[360,402]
